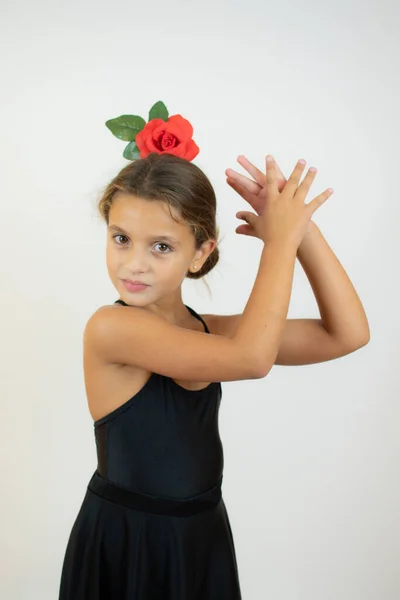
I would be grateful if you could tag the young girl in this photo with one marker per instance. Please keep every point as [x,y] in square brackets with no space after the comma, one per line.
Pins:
[153,523]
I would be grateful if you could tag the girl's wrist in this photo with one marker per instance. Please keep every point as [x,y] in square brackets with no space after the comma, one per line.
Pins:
[312,229]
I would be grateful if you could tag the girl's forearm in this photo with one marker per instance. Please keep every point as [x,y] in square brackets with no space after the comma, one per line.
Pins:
[261,325]
[341,310]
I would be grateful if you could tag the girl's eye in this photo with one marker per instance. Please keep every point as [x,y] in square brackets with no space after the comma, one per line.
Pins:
[166,245]
[119,235]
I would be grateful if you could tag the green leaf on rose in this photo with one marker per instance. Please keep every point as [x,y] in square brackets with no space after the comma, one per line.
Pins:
[126,127]
[131,151]
[158,111]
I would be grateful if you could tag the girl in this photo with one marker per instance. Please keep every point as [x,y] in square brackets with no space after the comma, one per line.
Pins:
[153,523]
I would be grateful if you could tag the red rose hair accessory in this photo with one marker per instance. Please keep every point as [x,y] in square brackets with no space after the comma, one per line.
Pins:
[161,134]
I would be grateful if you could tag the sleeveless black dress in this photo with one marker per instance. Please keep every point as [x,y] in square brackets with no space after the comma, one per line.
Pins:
[153,524]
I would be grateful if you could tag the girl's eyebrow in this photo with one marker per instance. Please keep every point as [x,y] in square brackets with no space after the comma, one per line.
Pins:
[159,237]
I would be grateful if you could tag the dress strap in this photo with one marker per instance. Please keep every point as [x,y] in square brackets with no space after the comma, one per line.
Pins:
[193,312]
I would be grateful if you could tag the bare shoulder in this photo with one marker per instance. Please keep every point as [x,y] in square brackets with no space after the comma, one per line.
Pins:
[107,385]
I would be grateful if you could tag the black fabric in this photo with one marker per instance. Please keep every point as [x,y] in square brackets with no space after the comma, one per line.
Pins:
[176,507]
[153,524]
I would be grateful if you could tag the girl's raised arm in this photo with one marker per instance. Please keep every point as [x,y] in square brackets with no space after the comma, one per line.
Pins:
[139,338]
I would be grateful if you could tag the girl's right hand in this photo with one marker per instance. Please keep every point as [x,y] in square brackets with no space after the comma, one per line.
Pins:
[286,217]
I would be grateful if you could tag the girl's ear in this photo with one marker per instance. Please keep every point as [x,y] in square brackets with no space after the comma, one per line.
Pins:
[203,253]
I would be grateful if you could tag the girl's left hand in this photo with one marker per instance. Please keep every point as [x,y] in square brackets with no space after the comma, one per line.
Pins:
[254,190]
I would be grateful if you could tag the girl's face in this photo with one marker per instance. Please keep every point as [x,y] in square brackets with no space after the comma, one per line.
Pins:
[144,243]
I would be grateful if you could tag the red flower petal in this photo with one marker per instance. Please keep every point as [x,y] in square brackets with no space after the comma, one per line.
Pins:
[147,132]
[178,150]
[192,150]
[180,127]
[144,152]
[168,141]
[172,137]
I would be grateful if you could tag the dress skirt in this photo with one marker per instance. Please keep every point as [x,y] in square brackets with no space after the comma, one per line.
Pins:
[126,545]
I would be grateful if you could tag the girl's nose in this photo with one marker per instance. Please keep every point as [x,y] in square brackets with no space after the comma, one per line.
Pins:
[138,262]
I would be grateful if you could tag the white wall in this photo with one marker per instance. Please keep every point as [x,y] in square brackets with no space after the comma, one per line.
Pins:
[311,453]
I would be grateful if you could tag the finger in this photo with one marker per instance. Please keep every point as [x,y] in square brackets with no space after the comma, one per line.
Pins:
[319,200]
[238,188]
[292,183]
[280,175]
[242,192]
[245,230]
[305,185]
[271,182]
[244,182]
[256,174]
[246,216]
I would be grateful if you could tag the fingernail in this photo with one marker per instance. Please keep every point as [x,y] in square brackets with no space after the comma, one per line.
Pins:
[269,158]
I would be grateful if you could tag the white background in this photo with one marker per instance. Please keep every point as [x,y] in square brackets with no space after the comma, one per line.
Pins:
[311,453]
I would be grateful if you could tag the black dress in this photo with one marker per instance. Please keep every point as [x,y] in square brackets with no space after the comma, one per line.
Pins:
[153,524]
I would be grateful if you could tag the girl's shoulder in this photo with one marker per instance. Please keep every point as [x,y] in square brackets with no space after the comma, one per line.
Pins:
[145,340]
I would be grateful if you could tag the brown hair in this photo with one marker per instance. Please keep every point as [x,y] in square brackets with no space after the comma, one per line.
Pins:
[179,183]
